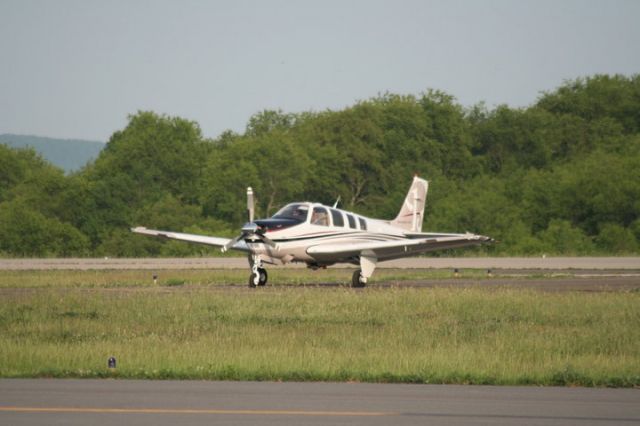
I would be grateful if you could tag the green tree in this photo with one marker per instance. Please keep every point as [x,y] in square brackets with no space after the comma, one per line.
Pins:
[156,154]
[26,232]
[563,238]
[346,149]
[268,121]
[616,97]
[450,129]
[615,239]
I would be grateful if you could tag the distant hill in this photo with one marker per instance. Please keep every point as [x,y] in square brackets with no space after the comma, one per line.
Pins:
[68,154]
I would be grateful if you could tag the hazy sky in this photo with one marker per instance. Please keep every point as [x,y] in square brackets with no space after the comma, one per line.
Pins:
[76,69]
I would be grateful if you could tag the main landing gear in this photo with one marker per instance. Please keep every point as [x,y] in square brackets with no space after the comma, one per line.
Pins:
[361,276]
[258,275]
[357,280]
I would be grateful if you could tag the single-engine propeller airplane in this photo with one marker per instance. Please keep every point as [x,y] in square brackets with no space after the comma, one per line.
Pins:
[321,236]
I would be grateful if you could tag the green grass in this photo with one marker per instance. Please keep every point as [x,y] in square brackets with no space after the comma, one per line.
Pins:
[204,277]
[68,324]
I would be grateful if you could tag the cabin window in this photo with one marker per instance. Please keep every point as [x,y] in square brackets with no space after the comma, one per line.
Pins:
[363,224]
[352,221]
[319,217]
[337,218]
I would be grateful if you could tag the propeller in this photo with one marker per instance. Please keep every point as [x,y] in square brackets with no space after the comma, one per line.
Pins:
[250,229]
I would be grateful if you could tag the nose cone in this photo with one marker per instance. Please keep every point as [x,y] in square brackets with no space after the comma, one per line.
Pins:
[250,228]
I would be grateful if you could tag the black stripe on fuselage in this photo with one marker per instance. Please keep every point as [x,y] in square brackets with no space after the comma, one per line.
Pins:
[359,235]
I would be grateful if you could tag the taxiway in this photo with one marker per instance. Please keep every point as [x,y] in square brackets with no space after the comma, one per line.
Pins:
[142,402]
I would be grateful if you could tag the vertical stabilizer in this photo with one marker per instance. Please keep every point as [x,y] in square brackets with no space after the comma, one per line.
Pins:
[412,211]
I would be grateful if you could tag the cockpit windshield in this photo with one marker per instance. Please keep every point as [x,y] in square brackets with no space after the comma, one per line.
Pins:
[298,212]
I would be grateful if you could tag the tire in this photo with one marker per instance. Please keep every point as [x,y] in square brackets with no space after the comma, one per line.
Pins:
[263,276]
[355,279]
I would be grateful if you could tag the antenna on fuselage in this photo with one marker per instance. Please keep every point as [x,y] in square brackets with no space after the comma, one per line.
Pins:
[250,205]
[336,203]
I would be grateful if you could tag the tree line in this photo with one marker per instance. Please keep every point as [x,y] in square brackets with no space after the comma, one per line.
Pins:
[560,177]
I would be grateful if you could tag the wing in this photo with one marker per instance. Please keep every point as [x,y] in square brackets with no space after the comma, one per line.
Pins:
[387,250]
[192,238]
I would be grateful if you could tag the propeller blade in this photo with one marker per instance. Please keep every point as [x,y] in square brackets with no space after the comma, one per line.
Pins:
[250,204]
[268,241]
[232,242]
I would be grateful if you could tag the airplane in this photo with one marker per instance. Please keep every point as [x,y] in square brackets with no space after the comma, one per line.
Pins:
[321,236]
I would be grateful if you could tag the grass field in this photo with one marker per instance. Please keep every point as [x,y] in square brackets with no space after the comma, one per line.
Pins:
[67,323]
[200,277]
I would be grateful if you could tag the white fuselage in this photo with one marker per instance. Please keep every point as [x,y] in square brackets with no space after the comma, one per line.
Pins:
[336,227]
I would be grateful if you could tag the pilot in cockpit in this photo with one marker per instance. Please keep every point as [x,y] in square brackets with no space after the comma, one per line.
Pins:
[319,217]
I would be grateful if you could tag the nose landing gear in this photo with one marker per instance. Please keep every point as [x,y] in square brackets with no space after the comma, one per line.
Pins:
[258,275]
[258,278]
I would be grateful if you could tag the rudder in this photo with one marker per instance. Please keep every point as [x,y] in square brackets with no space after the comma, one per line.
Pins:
[412,212]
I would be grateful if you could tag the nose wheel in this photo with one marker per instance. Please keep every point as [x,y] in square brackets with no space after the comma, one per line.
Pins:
[258,278]
[258,275]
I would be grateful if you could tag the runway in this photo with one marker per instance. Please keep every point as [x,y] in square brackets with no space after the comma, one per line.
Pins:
[546,263]
[546,274]
[141,402]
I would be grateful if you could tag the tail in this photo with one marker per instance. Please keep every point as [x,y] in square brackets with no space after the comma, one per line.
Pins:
[412,211]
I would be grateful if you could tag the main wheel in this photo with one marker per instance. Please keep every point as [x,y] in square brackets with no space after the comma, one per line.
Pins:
[356,279]
[262,280]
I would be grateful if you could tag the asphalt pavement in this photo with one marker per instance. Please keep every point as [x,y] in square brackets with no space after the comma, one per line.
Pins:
[143,402]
